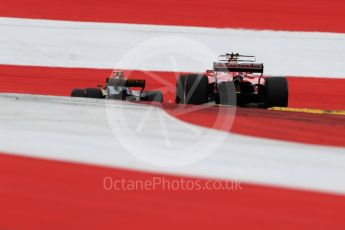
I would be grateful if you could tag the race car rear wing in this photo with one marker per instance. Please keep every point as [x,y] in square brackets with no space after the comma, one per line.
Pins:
[135,83]
[238,67]
[124,82]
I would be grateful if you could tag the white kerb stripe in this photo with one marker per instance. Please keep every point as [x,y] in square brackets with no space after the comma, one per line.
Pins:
[168,48]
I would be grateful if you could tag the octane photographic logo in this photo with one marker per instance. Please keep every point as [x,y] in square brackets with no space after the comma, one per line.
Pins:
[147,131]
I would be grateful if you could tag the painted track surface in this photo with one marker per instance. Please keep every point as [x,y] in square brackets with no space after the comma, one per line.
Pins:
[114,133]
[75,190]
[305,128]
[305,15]
[72,129]
[55,195]
[165,48]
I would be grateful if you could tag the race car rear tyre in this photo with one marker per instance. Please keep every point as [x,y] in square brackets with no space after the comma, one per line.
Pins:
[192,89]
[276,92]
[93,93]
[156,96]
[78,93]
[227,93]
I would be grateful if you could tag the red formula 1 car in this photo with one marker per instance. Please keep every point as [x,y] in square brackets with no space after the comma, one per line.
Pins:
[235,80]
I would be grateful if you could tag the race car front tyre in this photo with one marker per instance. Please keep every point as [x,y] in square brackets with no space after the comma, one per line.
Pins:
[78,93]
[94,93]
[276,92]
[192,89]
[156,96]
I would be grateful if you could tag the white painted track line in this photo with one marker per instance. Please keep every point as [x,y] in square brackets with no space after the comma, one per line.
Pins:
[168,48]
[80,130]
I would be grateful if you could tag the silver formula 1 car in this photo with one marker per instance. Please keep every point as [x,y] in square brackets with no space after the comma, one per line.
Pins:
[235,80]
[120,88]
